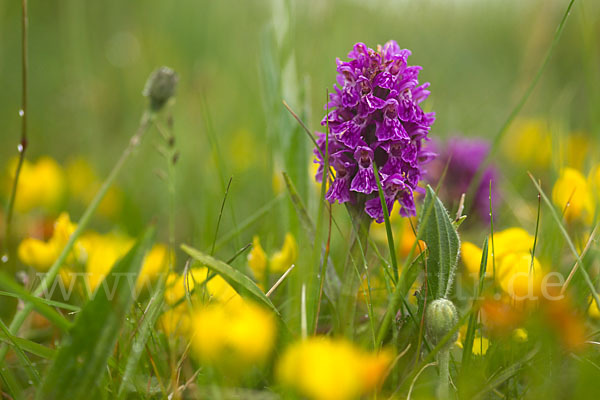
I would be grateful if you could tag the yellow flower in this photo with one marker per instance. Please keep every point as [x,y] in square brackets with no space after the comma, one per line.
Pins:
[257,258]
[480,343]
[278,263]
[175,321]
[572,195]
[480,346]
[533,143]
[511,240]
[241,333]
[325,369]
[514,272]
[84,184]
[518,277]
[155,262]
[284,258]
[102,253]
[593,310]
[217,289]
[520,335]
[41,255]
[41,184]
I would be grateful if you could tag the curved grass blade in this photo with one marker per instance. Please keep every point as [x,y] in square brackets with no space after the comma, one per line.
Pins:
[27,345]
[39,304]
[81,361]
[240,282]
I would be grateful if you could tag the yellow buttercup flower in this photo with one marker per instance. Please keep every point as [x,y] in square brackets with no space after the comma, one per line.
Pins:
[156,261]
[217,289]
[41,255]
[511,240]
[278,263]
[102,252]
[257,258]
[41,184]
[322,368]
[284,258]
[520,335]
[518,277]
[238,334]
[593,310]
[572,195]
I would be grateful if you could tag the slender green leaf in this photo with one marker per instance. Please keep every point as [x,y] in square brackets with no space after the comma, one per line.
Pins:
[443,245]
[81,361]
[471,327]
[27,345]
[240,282]
[39,304]
[149,320]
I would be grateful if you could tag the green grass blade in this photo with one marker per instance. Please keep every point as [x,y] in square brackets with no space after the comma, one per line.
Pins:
[240,282]
[32,373]
[388,225]
[27,345]
[557,218]
[149,320]
[471,327]
[443,245]
[39,304]
[81,361]
[332,283]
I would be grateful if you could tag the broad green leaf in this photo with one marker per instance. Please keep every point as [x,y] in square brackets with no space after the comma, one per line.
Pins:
[81,361]
[39,304]
[443,245]
[240,282]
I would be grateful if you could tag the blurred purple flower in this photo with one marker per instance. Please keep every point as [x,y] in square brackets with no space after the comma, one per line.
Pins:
[464,156]
[375,116]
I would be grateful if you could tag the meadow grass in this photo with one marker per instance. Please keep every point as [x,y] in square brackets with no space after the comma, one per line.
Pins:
[200,258]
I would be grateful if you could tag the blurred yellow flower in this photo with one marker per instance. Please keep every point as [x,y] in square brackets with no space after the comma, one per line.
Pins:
[511,240]
[101,253]
[322,368]
[529,142]
[217,289]
[41,255]
[278,263]
[238,334]
[156,261]
[84,183]
[517,276]
[593,310]
[41,184]
[573,196]
[284,258]
[257,258]
[480,343]
[514,272]
[520,335]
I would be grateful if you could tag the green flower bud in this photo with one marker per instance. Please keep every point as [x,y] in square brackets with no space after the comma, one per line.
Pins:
[160,87]
[440,318]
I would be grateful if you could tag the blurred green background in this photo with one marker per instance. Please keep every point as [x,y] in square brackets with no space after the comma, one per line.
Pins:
[89,61]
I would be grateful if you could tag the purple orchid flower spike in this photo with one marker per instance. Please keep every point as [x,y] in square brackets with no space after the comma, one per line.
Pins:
[375,116]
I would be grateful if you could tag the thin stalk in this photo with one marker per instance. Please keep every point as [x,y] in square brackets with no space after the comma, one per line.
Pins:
[443,388]
[19,318]
[360,234]
[23,144]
